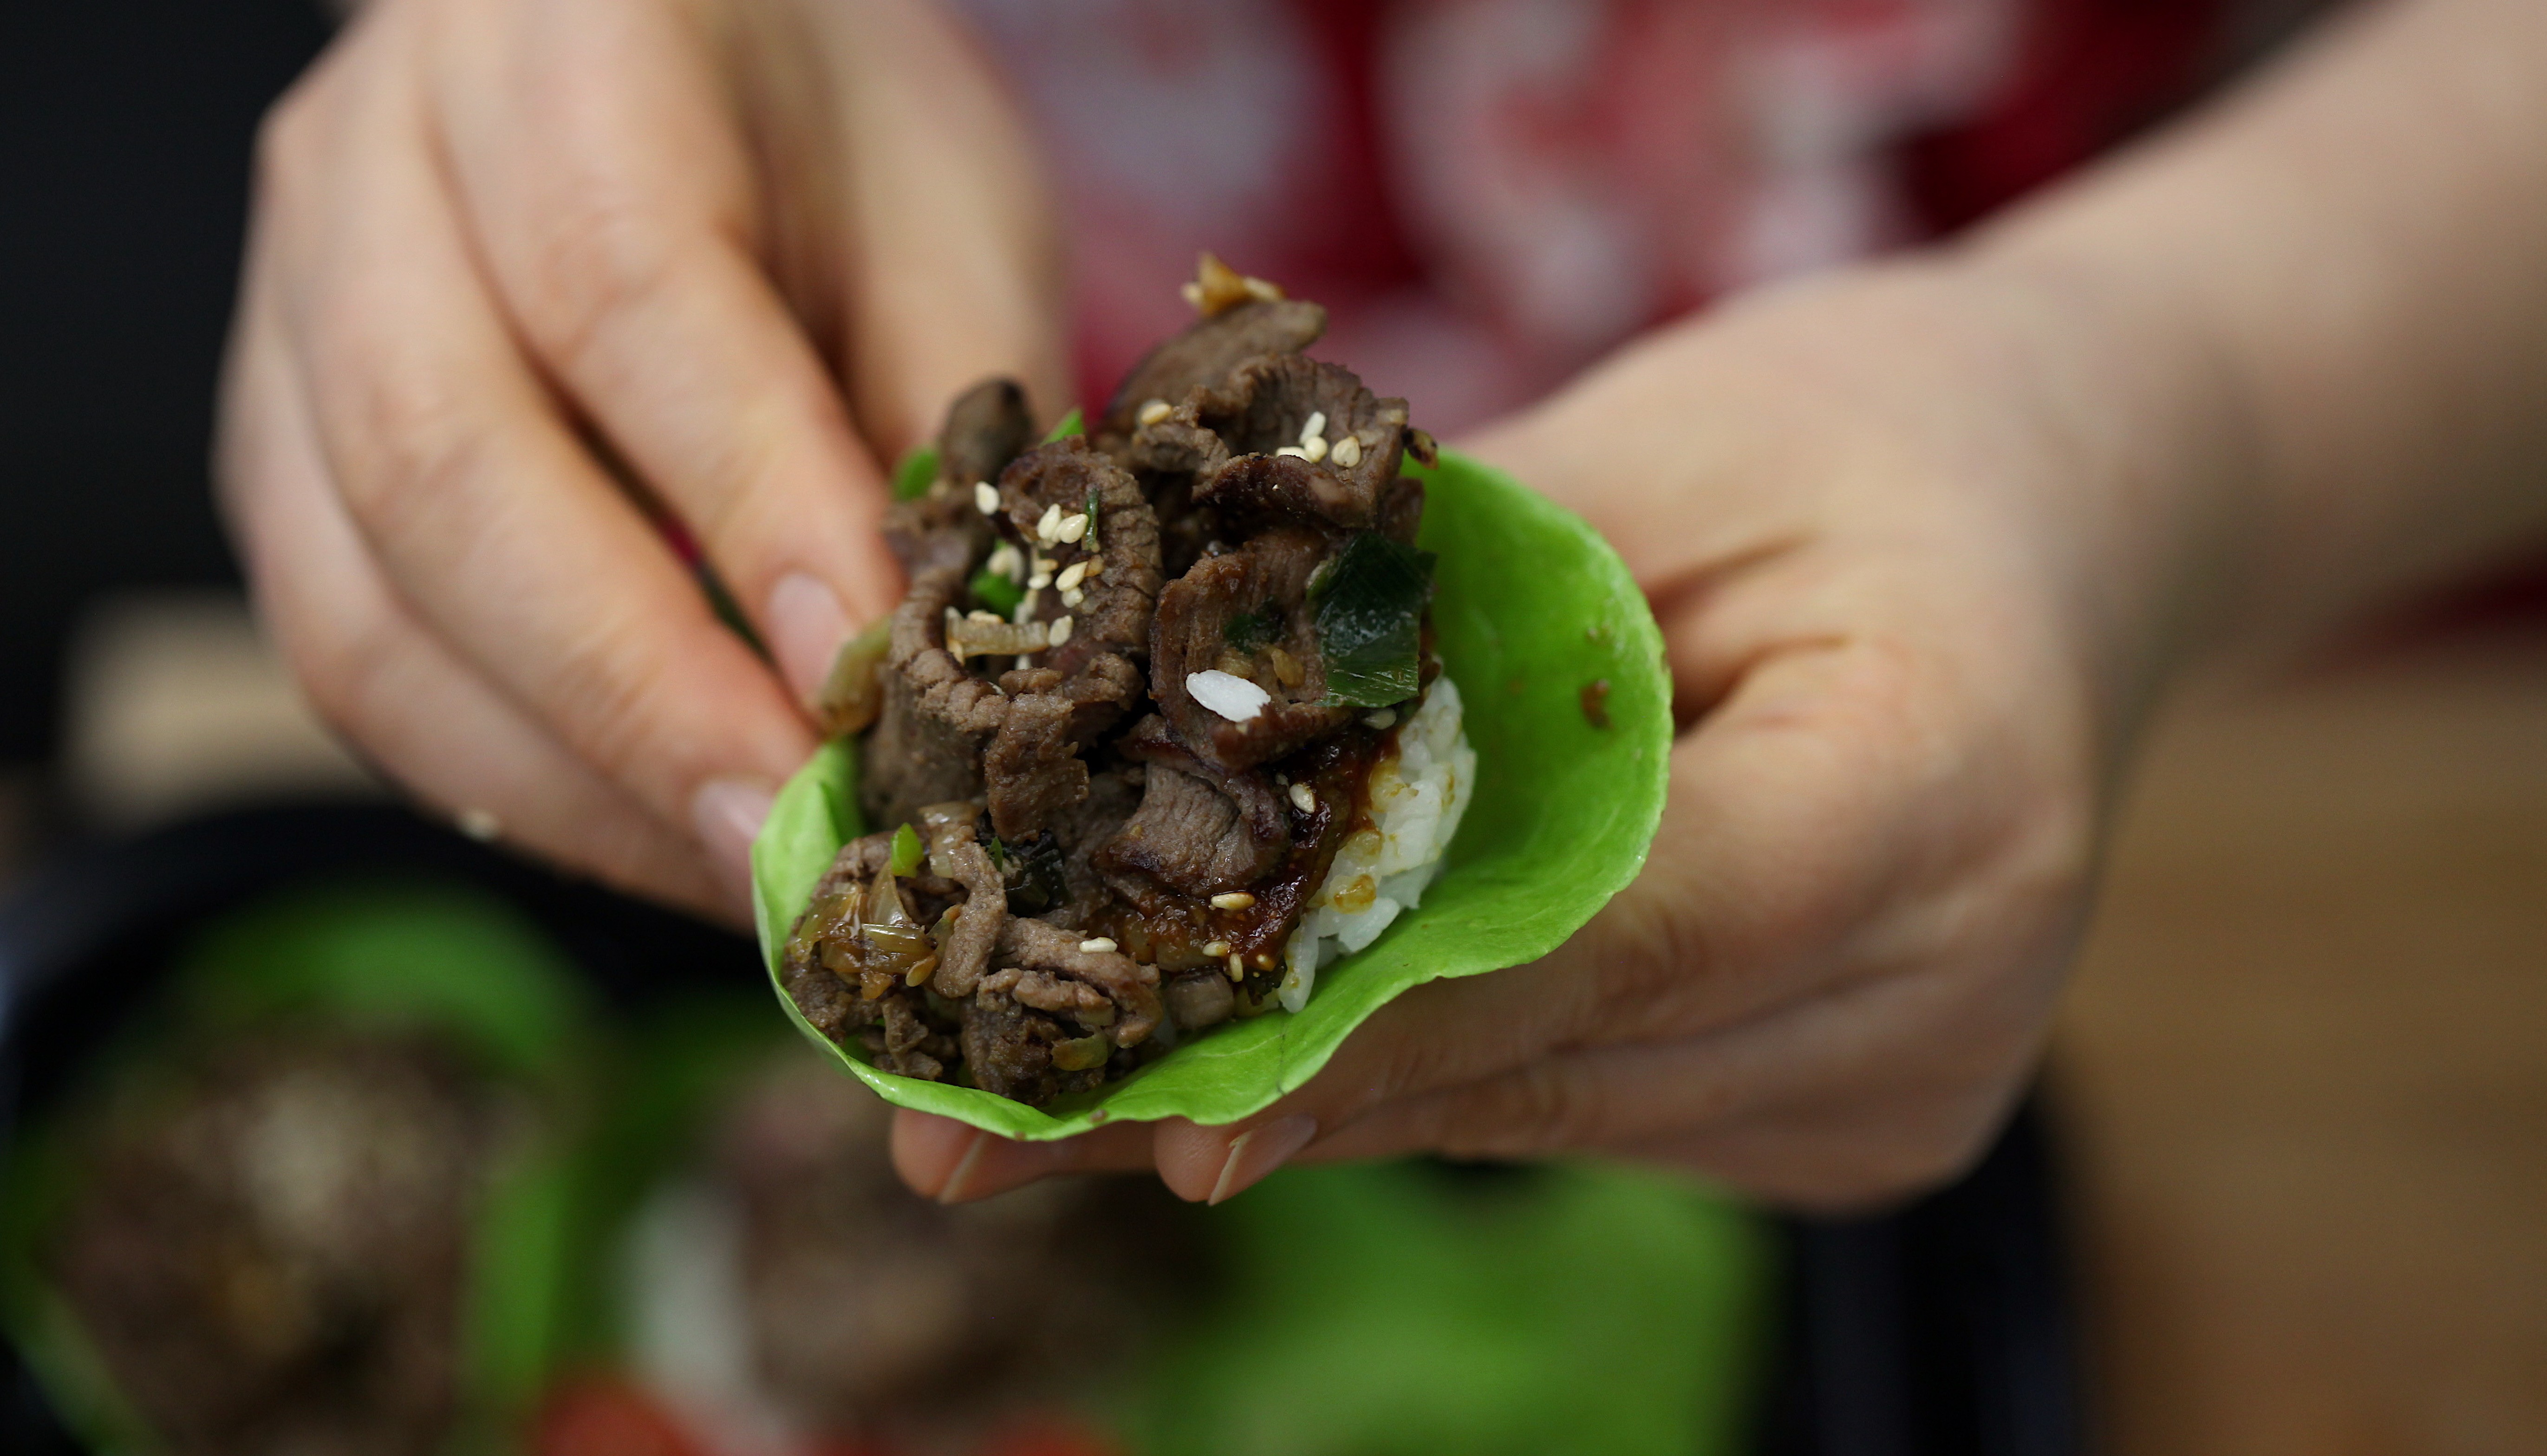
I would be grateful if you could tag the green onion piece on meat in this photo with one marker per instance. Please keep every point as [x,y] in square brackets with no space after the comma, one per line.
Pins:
[997,591]
[1247,630]
[917,471]
[1071,424]
[906,851]
[1370,615]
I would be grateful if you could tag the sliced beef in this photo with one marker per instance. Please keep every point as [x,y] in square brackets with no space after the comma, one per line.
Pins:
[1207,351]
[1200,998]
[1101,575]
[1031,770]
[1116,556]
[1199,834]
[1245,614]
[988,426]
[1263,408]
[1008,1048]
[956,853]
[926,745]
[1133,987]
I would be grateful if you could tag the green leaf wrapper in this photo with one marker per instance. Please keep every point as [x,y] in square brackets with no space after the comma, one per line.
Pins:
[1531,608]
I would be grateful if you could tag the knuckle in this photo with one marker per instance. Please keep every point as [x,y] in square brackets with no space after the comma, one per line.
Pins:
[597,256]
[1540,1108]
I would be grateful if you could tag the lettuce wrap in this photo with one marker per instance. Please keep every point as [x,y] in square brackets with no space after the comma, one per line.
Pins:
[1568,708]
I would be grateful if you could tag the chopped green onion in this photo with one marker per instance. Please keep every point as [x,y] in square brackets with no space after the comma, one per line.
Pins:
[916,472]
[1247,631]
[1370,615]
[1071,424]
[906,851]
[998,591]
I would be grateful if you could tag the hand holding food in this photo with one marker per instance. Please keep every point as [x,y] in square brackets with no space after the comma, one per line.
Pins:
[554,306]
[1168,733]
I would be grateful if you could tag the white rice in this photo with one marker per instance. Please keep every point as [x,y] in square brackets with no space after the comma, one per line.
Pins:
[1416,800]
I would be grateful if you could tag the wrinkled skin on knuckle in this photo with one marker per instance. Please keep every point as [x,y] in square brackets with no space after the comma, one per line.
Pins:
[1536,1110]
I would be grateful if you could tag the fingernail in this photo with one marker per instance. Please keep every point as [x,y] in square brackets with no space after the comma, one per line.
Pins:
[727,814]
[952,1190]
[994,1165]
[1260,1151]
[807,626]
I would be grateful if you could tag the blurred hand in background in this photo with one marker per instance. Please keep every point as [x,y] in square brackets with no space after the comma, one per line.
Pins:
[549,302]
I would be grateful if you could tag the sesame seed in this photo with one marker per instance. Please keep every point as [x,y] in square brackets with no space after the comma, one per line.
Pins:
[1316,426]
[1071,528]
[1193,293]
[1156,410]
[1315,450]
[1257,287]
[1060,631]
[1039,580]
[1236,900]
[1007,561]
[1028,604]
[992,616]
[1047,524]
[1237,972]
[1215,947]
[985,498]
[1384,718]
[1305,799]
[1096,566]
[1096,945]
[479,825]
[1072,574]
[1348,451]
[1071,596]
[1293,451]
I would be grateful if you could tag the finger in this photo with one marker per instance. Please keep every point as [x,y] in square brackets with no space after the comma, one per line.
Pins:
[953,1162]
[610,192]
[1811,823]
[1892,1042]
[484,511]
[383,680]
[956,265]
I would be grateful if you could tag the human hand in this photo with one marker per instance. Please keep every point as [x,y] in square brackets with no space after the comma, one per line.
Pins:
[529,279]
[1916,582]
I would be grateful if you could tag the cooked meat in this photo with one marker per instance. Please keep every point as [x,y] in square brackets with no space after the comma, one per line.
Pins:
[987,427]
[956,853]
[1132,988]
[927,746]
[1206,352]
[1032,768]
[1121,708]
[1246,615]
[1197,837]
[1200,998]
[1008,1048]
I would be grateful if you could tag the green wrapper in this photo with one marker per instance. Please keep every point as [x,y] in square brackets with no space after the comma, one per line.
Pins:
[1532,610]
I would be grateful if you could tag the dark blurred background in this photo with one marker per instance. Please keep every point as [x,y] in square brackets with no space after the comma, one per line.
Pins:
[2298,1084]
[125,132]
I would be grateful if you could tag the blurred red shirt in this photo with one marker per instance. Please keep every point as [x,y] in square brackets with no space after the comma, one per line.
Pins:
[1490,193]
